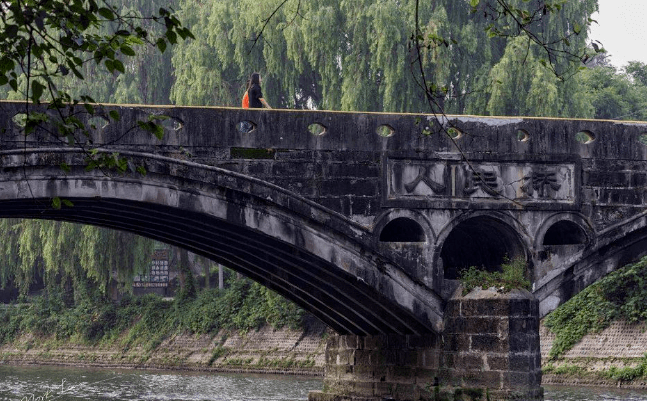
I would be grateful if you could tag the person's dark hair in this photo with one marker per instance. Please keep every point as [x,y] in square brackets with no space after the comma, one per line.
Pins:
[255,79]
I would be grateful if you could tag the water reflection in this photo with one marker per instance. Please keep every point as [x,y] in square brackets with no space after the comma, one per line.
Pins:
[67,384]
[563,393]
[54,383]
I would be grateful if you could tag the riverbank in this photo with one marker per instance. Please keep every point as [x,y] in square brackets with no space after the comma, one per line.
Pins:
[270,351]
[614,357]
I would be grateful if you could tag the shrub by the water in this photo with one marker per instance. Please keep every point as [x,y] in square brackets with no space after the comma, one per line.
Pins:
[147,320]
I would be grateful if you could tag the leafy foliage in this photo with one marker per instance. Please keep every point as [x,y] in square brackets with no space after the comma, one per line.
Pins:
[357,55]
[51,47]
[70,256]
[512,276]
[145,321]
[619,295]
[627,373]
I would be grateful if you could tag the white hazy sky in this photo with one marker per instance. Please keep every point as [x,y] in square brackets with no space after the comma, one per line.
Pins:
[622,29]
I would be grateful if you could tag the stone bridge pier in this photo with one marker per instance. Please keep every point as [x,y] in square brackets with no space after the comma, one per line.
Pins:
[489,350]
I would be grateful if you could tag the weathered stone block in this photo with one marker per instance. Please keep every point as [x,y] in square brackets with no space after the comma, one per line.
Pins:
[469,362]
[498,362]
[457,342]
[374,342]
[486,325]
[427,341]
[521,343]
[523,324]
[430,359]
[520,308]
[488,343]
[522,363]
[476,307]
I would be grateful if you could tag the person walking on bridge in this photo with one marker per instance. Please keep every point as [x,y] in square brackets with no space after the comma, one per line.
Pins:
[255,94]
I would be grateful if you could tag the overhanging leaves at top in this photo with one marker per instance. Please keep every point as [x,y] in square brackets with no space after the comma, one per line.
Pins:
[44,41]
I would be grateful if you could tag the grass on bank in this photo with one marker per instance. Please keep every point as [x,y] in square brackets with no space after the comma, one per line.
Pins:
[613,373]
[147,320]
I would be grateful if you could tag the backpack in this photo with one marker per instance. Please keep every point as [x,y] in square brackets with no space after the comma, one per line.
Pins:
[245,101]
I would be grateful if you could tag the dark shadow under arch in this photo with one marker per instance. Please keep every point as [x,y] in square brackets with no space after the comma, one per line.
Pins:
[483,242]
[402,229]
[564,232]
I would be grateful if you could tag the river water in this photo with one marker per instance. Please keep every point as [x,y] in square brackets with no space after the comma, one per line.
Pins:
[46,383]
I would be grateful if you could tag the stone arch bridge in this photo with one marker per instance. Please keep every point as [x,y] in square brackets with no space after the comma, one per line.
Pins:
[364,219]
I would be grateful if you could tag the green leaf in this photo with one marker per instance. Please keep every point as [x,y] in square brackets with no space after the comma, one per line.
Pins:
[6,64]
[119,66]
[474,3]
[110,65]
[106,13]
[127,50]
[161,44]
[172,37]
[56,203]
[160,117]
[114,114]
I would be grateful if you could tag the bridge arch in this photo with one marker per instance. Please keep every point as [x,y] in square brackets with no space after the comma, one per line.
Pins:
[316,257]
[403,225]
[480,239]
[564,229]
[407,237]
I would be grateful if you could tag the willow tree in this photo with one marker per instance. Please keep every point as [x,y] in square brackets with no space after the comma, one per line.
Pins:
[332,54]
[78,257]
[358,54]
[538,73]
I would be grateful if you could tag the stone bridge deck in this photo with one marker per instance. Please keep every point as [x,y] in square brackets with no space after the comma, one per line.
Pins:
[388,202]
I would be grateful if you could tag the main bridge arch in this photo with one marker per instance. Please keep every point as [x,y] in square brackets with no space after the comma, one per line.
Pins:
[316,257]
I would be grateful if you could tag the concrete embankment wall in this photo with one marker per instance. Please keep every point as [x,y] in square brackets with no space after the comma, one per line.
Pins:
[295,352]
[621,345]
[265,351]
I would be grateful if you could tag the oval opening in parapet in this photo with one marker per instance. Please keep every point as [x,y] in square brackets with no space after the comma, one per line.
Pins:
[585,137]
[454,133]
[245,127]
[642,139]
[385,130]
[317,129]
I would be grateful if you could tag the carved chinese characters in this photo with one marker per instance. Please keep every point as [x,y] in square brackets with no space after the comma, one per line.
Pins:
[454,180]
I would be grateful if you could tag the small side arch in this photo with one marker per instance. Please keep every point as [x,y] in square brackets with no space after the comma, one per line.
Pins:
[403,226]
[407,237]
[564,229]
